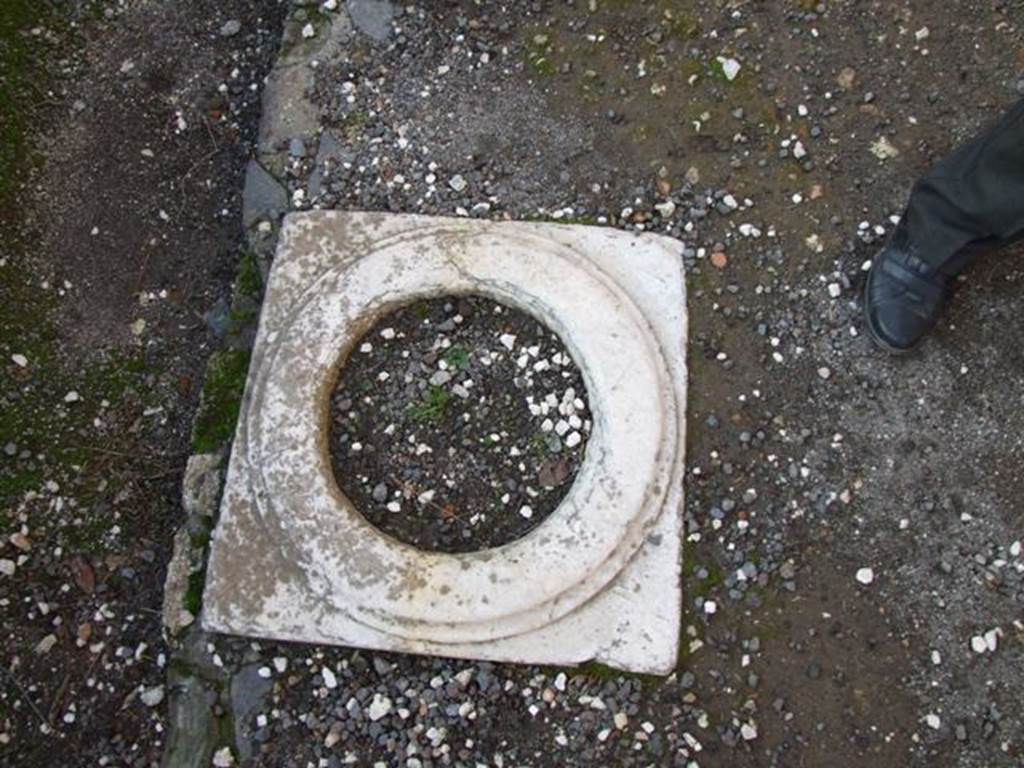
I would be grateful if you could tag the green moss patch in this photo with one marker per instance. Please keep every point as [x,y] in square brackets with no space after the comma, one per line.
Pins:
[603,673]
[194,595]
[54,438]
[249,281]
[19,68]
[221,400]
[539,52]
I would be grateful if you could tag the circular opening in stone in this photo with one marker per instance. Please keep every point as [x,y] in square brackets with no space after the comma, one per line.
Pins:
[458,424]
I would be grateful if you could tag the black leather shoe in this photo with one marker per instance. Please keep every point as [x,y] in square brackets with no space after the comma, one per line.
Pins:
[904,295]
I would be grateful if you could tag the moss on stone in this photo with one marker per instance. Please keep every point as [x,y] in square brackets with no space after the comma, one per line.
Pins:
[598,671]
[193,600]
[221,400]
[248,282]
[241,318]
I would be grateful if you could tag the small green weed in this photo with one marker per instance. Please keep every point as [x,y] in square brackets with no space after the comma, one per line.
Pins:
[433,407]
[457,357]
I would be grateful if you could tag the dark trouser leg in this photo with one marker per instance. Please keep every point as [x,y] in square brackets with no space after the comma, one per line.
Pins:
[974,196]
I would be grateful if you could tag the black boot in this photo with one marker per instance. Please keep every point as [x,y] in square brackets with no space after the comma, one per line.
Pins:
[969,204]
[904,295]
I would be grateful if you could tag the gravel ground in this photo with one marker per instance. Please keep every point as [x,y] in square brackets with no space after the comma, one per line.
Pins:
[854,578]
[458,424]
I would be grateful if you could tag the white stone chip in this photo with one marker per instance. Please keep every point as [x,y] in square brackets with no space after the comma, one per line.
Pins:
[992,640]
[330,679]
[730,68]
[19,360]
[883,149]
[865,576]
[223,758]
[152,697]
[379,707]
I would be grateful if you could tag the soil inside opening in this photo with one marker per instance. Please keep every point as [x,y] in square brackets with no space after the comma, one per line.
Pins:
[458,424]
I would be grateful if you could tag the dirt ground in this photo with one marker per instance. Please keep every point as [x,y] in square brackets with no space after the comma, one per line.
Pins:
[120,232]
[811,456]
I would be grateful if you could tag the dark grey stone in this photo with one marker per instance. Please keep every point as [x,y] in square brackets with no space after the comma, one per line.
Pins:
[372,17]
[263,197]
[249,691]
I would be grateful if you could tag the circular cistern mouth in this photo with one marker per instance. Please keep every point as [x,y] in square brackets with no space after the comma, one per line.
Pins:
[457,423]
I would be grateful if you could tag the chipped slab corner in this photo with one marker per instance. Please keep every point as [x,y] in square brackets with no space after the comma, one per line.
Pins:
[600,579]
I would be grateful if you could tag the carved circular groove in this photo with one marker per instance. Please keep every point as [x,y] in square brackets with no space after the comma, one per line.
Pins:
[476,596]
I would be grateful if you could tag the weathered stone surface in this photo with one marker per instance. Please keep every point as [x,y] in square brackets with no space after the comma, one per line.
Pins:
[195,688]
[330,32]
[249,693]
[372,17]
[291,559]
[289,112]
[175,616]
[263,197]
[201,484]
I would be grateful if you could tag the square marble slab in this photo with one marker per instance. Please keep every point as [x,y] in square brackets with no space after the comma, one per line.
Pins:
[600,579]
